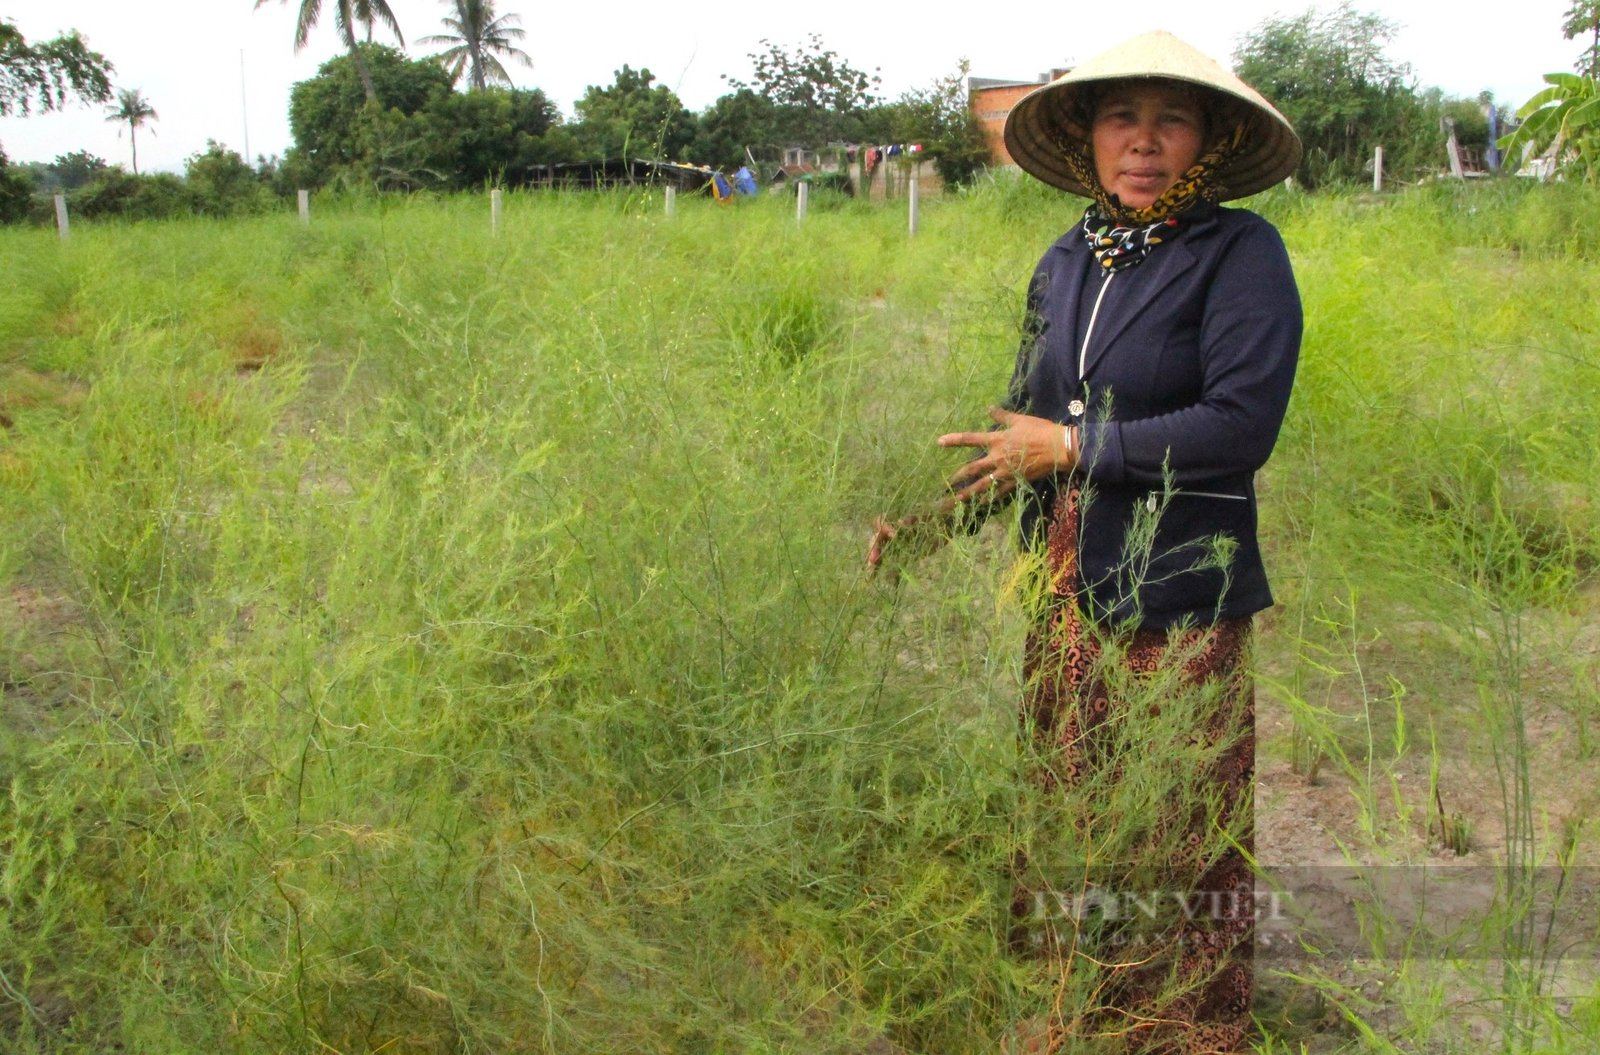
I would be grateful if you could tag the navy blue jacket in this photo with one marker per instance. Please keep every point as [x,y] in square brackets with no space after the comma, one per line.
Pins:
[1185,378]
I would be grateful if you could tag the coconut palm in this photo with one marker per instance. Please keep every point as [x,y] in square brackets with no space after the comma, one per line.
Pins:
[347,15]
[476,33]
[135,109]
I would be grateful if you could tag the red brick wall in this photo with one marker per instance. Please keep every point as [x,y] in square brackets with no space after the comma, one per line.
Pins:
[992,105]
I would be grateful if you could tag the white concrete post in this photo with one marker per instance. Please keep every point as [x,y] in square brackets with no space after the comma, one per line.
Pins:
[305,206]
[61,215]
[494,211]
[1454,149]
[1377,168]
[912,198]
[672,202]
[800,201]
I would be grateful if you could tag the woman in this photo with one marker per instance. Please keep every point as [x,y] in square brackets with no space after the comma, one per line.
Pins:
[1161,340]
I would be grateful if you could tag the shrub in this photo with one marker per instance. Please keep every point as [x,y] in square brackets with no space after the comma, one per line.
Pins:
[220,183]
[15,191]
[116,192]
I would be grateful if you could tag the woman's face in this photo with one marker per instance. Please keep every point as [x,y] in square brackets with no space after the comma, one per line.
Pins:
[1145,135]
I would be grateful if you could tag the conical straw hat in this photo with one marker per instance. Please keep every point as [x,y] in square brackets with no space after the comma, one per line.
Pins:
[1047,121]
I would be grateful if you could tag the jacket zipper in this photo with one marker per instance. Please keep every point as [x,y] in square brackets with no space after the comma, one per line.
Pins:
[1083,352]
[1150,499]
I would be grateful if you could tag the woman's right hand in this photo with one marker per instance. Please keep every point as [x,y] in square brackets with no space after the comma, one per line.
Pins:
[1023,448]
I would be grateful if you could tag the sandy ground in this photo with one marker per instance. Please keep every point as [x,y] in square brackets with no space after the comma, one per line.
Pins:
[1373,872]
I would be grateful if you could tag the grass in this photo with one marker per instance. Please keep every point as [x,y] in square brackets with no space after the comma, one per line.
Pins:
[418,640]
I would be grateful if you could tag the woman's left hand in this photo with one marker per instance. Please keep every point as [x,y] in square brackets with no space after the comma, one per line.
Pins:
[1023,448]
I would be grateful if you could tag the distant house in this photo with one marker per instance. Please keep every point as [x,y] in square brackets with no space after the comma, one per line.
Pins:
[992,99]
[800,157]
[799,162]
[896,168]
[802,162]
[788,172]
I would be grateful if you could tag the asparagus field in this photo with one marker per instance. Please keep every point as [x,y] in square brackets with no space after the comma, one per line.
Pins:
[421,639]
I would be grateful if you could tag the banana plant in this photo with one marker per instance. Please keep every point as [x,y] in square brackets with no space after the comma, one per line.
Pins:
[1565,118]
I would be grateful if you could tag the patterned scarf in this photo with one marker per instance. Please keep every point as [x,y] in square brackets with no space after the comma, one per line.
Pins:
[1120,237]
[1118,247]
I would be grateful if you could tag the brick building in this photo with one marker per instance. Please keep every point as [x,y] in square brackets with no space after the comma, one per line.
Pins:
[992,99]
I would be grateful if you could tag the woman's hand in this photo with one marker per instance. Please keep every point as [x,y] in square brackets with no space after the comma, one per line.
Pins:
[1024,448]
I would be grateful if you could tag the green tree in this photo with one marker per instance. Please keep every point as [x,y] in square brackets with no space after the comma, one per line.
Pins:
[1565,118]
[940,117]
[392,155]
[46,73]
[1583,20]
[420,134]
[816,91]
[1468,117]
[491,136]
[16,191]
[336,130]
[221,183]
[73,170]
[347,15]
[134,109]
[633,118]
[735,123]
[475,39]
[1330,76]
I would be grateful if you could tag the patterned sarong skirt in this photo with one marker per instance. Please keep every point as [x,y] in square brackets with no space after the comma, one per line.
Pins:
[1184,986]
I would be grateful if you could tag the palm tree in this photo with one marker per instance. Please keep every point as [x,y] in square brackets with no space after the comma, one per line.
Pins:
[347,15]
[135,109]
[476,32]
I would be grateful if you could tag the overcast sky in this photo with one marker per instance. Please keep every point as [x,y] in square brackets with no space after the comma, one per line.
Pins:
[221,69]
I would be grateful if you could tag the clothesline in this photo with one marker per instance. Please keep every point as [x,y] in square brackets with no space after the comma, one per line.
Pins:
[875,154]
